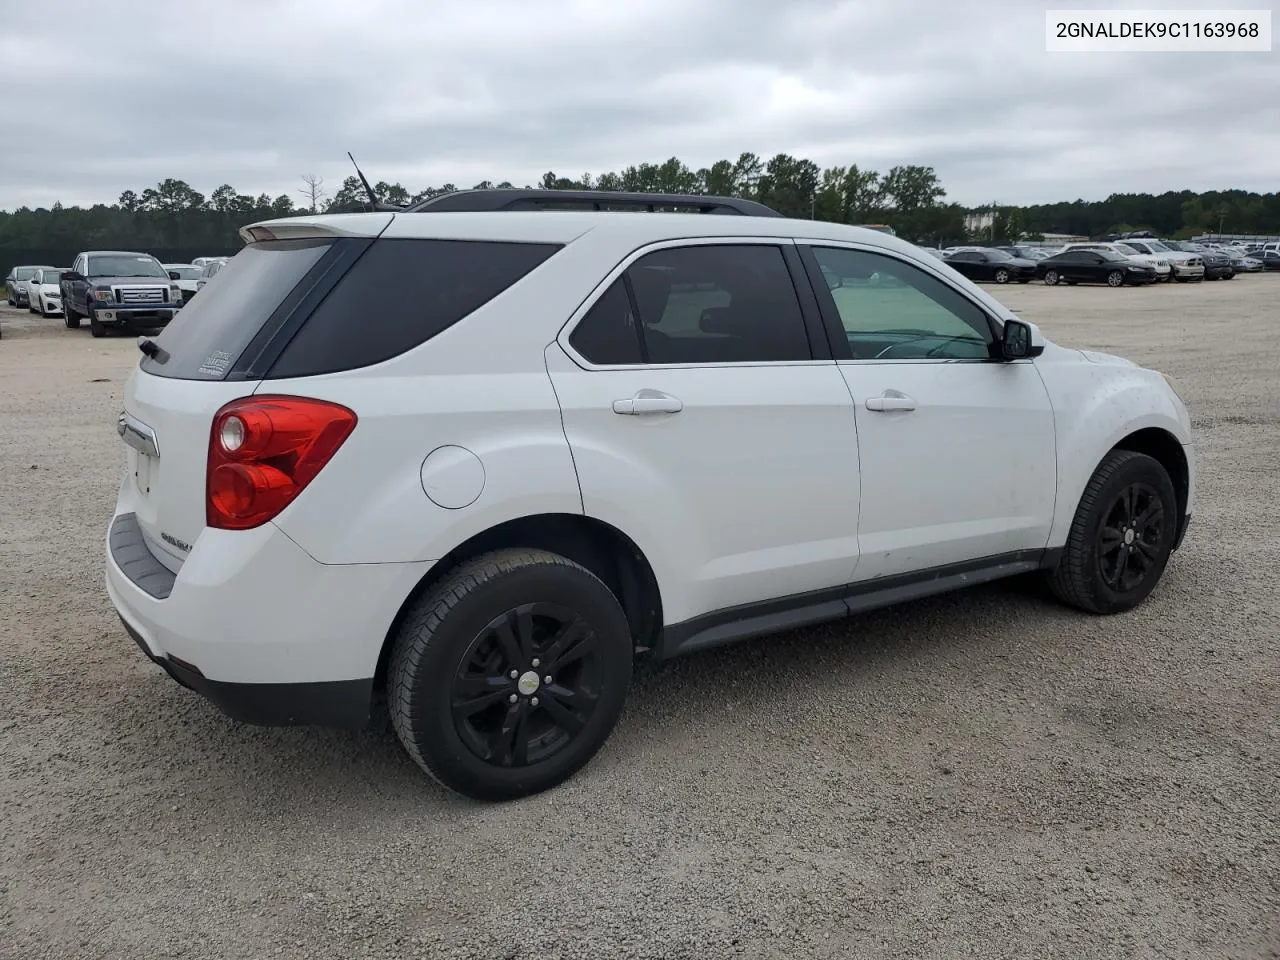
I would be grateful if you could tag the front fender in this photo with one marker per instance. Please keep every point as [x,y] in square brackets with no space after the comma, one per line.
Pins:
[1096,406]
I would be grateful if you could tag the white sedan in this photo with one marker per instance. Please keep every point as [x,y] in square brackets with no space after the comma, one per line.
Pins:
[44,294]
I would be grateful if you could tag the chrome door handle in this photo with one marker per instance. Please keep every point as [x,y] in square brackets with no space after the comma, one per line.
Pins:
[890,400]
[647,402]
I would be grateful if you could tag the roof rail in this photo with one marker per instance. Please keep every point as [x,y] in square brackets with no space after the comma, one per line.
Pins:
[472,201]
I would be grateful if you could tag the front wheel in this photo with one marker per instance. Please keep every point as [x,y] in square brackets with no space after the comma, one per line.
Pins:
[1051,278]
[1121,537]
[96,327]
[1115,278]
[507,676]
[70,318]
[1001,276]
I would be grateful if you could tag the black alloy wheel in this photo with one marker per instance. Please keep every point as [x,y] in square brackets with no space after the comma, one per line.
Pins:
[508,674]
[1130,538]
[1121,537]
[527,685]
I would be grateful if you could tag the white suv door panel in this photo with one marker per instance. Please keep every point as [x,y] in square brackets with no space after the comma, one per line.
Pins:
[969,472]
[958,453]
[750,492]
[743,476]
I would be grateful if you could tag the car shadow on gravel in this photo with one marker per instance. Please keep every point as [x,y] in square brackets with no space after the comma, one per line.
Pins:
[862,661]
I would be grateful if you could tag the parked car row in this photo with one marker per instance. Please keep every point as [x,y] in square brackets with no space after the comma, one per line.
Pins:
[1117,263]
[111,289]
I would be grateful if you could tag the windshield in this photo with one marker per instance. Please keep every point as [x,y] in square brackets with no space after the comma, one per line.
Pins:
[186,273]
[1125,248]
[25,273]
[1156,245]
[125,265]
[997,255]
[1109,256]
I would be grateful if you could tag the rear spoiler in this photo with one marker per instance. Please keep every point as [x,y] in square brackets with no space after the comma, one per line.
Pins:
[312,228]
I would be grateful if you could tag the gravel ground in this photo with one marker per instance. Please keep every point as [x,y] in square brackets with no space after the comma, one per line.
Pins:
[983,775]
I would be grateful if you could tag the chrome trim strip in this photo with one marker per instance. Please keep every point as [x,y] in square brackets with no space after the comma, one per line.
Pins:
[137,435]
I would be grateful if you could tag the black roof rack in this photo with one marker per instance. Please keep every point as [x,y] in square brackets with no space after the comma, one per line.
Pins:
[473,201]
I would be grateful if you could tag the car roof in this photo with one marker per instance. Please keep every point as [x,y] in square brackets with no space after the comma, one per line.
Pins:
[116,253]
[564,226]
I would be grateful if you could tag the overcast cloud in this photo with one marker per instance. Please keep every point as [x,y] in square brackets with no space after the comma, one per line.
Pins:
[256,93]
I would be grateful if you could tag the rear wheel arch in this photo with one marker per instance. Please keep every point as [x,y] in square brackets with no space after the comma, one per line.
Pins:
[598,546]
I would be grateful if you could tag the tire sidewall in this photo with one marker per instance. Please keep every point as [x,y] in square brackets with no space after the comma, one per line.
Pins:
[431,728]
[1137,469]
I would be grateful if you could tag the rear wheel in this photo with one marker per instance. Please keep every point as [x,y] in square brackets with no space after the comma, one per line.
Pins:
[1051,277]
[507,676]
[1121,537]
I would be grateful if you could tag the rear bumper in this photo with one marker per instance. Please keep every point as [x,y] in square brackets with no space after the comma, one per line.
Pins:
[337,703]
[254,624]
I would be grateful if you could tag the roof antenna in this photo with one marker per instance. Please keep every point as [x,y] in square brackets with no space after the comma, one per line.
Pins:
[373,197]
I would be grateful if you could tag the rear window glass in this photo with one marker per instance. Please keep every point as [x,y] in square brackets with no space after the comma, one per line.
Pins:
[400,294]
[208,334]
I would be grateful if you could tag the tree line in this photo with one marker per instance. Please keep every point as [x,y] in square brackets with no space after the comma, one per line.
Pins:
[172,216]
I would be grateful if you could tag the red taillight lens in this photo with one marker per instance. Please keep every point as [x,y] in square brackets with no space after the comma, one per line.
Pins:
[263,451]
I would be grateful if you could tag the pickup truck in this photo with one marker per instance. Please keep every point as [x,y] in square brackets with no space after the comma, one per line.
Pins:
[121,289]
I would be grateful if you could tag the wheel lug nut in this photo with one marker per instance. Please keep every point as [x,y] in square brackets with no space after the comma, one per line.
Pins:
[534,701]
[536,661]
[513,674]
[512,699]
[547,678]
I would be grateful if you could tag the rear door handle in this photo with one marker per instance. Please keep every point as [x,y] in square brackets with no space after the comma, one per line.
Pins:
[647,402]
[890,400]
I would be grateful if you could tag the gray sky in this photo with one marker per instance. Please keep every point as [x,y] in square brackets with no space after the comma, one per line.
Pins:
[256,93]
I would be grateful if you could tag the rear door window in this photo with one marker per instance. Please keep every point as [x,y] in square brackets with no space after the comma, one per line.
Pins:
[208,335]
[718,303]
[399,294]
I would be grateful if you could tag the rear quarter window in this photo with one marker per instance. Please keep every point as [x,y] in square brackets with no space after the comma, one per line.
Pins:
[400,294]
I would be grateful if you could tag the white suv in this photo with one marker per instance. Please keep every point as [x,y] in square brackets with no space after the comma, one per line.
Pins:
[481,460]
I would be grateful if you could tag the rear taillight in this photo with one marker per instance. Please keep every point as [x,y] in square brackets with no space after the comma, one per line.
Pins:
[263,451]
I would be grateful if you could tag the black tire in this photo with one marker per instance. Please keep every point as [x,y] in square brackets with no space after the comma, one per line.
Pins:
[1085,576]
[96,327]
[1051,278]
[458,625]
[70,318]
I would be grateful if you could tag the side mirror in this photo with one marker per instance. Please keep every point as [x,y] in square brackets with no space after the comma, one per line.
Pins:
[72,276]
[1020,340]
[174,275]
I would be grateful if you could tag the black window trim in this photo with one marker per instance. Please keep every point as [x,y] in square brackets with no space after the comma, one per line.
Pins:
[838,339]
[815,333]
